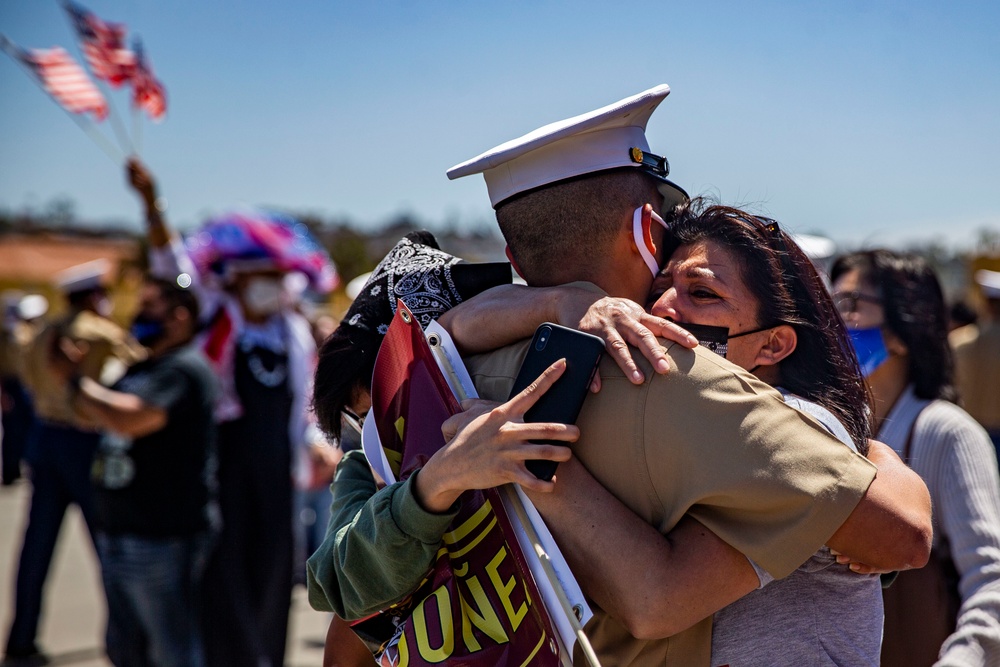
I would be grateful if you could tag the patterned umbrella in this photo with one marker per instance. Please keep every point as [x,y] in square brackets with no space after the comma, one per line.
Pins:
[265,239]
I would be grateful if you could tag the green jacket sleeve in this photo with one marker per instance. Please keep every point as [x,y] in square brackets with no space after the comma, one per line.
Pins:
[378,547]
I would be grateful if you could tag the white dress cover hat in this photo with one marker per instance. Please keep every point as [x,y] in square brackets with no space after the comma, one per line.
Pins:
[989,281]
[611,137]
[86,276]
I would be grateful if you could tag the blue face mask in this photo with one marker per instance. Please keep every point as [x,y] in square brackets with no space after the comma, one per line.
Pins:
[869,346]
[146,330]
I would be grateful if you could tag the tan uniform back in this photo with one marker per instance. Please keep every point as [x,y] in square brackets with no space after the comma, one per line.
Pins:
[977,374]
[110,349]
[711,440]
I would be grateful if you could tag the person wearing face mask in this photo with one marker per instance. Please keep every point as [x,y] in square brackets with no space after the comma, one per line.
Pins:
[947,613]
[154,481]
[263,353]
[61,446]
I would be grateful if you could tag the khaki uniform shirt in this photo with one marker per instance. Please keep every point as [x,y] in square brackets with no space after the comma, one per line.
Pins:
[13,345]
[977,373]
[110,350]
[711,440]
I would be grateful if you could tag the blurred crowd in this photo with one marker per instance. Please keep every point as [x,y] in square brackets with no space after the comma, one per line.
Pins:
[186,439]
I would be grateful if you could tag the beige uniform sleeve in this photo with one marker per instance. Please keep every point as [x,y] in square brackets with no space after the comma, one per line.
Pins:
[106,340]
[764,477]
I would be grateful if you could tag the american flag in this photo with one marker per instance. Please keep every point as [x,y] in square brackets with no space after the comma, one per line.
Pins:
[147,93]
[103,46]
[64,80]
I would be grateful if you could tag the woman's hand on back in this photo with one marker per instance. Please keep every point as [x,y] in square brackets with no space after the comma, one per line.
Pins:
[620,323]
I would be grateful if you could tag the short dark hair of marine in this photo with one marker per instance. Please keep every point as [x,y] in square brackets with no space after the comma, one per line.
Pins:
[562,191]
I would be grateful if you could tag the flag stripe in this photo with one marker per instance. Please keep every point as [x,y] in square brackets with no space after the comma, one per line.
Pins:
[147,93]
[103,46]
[66,81]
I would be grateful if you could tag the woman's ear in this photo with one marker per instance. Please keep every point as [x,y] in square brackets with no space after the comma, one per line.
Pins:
[781,342]
[894,344]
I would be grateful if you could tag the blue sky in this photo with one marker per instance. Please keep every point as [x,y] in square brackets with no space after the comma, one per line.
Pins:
[870,122]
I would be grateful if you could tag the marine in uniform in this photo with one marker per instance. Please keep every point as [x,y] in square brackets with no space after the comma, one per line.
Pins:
[707,438]
[977,361]
[60,450]
[19,329]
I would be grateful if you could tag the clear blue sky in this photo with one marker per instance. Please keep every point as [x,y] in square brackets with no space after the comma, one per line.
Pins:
[870,122]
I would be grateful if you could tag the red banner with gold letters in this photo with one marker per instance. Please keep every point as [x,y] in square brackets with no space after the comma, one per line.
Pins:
[480,605]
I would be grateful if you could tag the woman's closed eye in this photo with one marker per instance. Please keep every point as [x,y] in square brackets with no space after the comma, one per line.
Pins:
[703,294]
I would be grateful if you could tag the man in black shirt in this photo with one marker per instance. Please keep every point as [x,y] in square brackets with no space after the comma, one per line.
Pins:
[154,483]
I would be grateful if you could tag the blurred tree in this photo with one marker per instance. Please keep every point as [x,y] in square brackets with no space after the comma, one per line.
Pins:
[349,250]
[988,241]
[60,212]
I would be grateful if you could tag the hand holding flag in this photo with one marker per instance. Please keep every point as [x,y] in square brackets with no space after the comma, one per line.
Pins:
[103,47]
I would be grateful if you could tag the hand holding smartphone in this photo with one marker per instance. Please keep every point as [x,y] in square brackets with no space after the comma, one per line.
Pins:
[563,401]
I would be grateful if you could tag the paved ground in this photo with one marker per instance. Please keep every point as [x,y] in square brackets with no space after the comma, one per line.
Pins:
[73,619]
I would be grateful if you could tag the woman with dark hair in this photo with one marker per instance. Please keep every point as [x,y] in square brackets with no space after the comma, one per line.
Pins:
[738,280]
[788,292]
[950,610]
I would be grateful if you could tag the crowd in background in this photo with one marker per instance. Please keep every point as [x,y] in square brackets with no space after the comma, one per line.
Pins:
[188,444]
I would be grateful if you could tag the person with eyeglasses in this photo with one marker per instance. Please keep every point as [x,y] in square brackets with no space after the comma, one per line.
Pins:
[948,613]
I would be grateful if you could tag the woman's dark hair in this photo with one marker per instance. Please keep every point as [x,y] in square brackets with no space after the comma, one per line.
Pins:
[344,367]
[914,311]
[788,289]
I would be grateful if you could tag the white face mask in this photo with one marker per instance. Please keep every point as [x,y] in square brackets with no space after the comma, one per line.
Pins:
[643,242]
[263,295]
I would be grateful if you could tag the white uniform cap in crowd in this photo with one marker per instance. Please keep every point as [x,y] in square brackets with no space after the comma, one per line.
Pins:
[609,138]
[990,282]
[32,307]
[86,276]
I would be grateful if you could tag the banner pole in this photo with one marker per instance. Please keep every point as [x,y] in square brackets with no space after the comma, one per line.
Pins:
[116,122]
[137,131]
[515,502]
[102,141]
[581,636]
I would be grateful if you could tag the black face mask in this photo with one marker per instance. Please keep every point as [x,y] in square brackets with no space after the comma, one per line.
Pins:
[714,338]
[147,329]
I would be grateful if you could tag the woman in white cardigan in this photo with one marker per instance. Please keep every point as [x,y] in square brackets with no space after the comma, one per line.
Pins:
[894,306]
